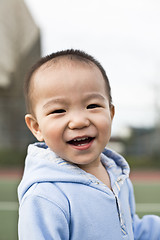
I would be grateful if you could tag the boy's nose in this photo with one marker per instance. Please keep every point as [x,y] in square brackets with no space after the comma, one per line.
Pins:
[78,121]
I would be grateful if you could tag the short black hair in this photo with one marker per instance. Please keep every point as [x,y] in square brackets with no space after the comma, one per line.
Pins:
[72,54]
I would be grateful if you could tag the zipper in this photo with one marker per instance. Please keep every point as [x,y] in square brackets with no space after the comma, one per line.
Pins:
[120,215]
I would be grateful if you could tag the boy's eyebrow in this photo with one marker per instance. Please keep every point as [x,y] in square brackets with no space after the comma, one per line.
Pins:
[52,101]
[95,95]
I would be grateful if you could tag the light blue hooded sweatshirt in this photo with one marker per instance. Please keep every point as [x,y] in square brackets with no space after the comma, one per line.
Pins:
[60,201]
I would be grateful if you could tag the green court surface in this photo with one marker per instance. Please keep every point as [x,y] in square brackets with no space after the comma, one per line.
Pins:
[8,209]
[147,202]
[147,196]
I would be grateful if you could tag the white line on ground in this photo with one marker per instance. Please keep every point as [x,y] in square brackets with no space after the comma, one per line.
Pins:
[8,206]
[148,207]
[140,207]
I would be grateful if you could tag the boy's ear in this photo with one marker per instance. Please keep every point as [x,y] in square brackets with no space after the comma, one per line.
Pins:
[112,111]
[33,125]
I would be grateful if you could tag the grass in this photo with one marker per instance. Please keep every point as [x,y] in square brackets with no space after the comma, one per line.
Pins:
[12,158]
[145,193]
[143,162]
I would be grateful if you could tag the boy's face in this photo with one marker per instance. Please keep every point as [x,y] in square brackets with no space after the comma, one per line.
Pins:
[72,113]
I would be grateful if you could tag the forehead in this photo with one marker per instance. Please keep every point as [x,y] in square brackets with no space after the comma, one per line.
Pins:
[64,64]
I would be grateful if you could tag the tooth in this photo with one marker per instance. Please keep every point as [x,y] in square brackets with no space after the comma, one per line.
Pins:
[84,138]
[80,139]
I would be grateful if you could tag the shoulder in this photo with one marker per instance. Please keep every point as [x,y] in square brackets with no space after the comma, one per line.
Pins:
[47,193]
[44,209]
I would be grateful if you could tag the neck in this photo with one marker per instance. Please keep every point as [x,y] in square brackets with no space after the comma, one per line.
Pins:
[99,171]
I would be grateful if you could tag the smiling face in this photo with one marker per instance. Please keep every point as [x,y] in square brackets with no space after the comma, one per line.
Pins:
[71,111]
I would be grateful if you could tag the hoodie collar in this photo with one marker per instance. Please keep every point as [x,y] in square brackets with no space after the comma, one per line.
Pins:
[43,165]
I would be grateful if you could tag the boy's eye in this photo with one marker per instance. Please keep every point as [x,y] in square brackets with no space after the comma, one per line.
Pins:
[58,111]
[91,106]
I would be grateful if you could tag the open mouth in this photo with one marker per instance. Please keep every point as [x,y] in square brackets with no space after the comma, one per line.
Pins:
[80,141]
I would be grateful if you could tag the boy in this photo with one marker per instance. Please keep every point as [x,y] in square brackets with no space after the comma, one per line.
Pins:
[73,188]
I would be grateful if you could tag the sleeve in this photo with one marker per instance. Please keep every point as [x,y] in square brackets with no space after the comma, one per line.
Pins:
[42,219]
[147,228]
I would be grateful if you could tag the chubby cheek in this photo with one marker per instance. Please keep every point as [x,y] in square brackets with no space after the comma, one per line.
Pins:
[105,128]
[52,137]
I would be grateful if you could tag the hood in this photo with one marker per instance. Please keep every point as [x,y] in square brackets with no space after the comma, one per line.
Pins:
[43,165]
